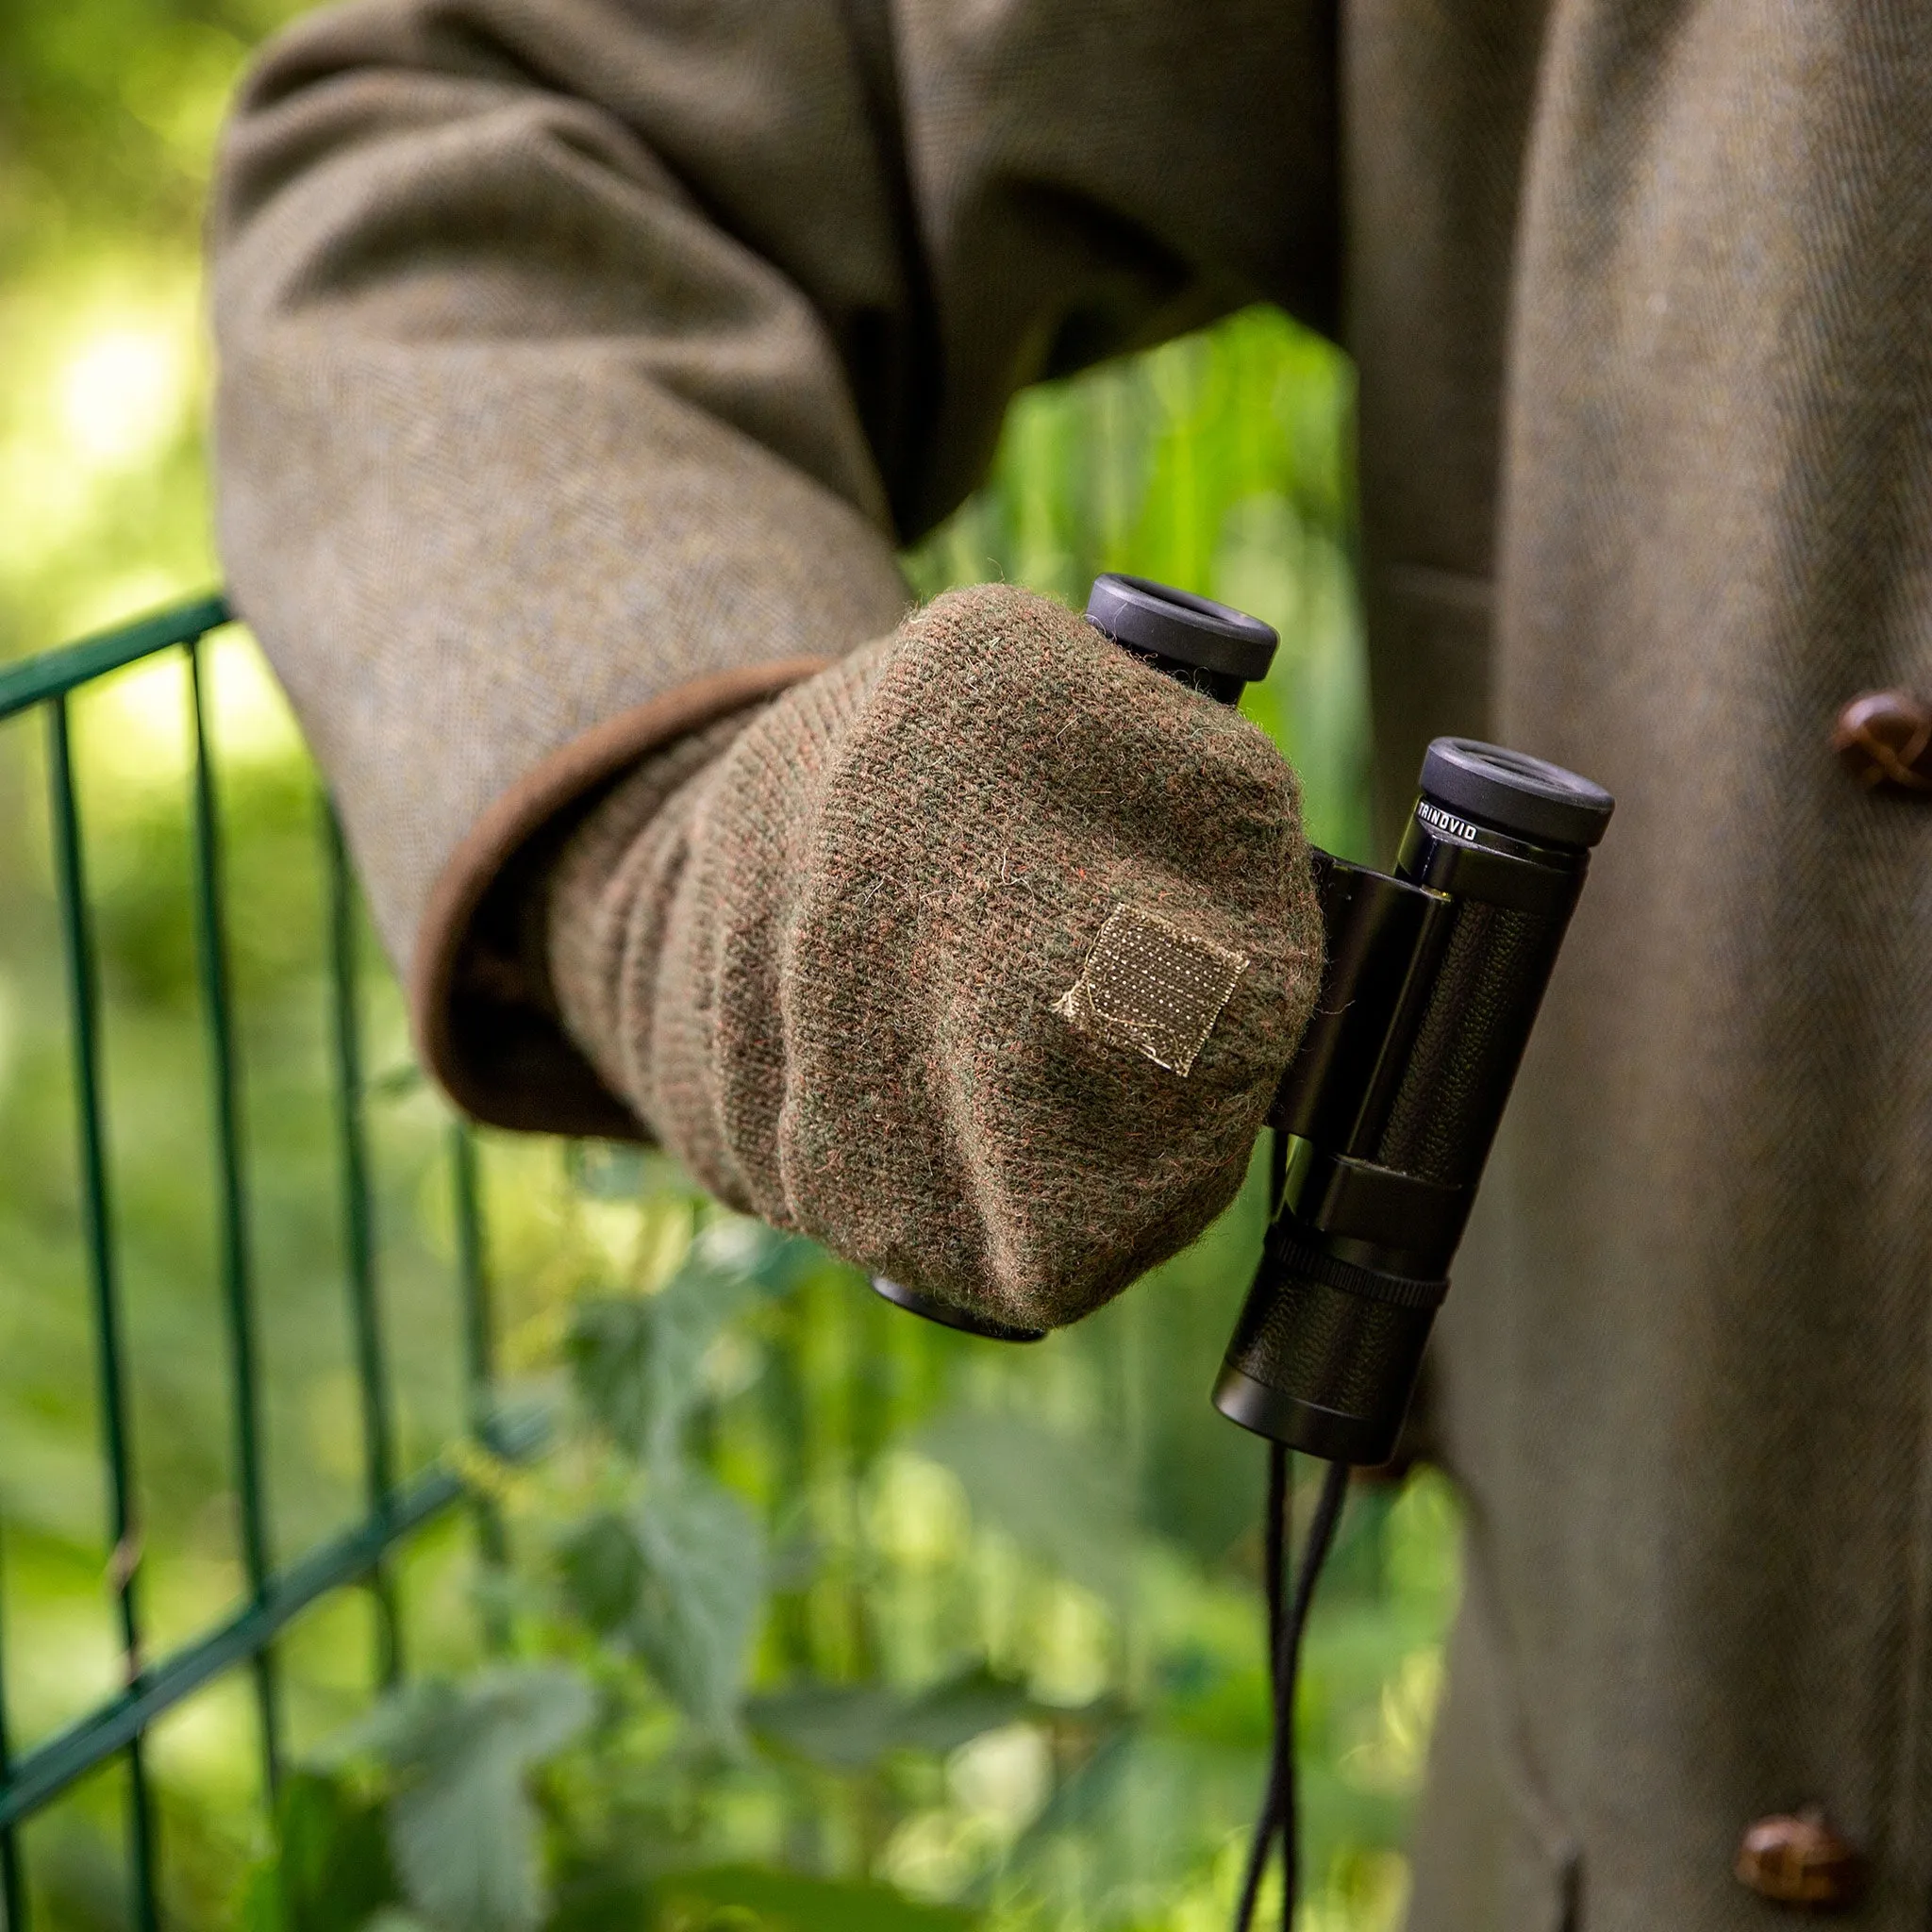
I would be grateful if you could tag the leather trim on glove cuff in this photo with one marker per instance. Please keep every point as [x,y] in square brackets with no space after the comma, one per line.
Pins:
[483,1031]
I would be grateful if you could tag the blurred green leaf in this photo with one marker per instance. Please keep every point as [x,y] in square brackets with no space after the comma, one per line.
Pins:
[1063,1500]
[839,1726]
[739,1898]
[854,1727]
[1080,1799]
[462,1833]
[701,1593]
[962,1708]
[611,1170]
[602,1571]
[331,1868]
[679,1579]
[733,1247]
[616,1358]
[637,1361]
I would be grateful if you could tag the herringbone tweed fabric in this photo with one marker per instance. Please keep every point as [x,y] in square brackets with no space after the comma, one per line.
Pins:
[826,972]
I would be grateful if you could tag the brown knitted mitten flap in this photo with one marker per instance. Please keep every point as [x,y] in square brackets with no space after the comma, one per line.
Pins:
[976,958]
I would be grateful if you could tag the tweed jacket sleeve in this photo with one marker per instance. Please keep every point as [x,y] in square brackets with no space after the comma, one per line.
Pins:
[583,362]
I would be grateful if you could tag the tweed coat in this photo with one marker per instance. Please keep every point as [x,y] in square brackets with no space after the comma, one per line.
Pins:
[583,360]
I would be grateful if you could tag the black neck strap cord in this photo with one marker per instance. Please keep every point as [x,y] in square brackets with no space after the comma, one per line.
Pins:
[1288,1616]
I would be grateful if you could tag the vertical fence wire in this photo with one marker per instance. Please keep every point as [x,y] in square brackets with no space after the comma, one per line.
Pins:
[479,1337]
[358,1233]
[96,1215]
[237,1260]
[480,1354]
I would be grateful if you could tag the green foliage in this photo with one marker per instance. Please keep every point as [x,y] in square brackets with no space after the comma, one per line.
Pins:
[1061,1502]
[676,1571]
[746,1899]
[334,1870]
[636,1363]
[425,1804]
[461,1829]
[856,1727]
[687,1588]
[108,112]
[742,1898]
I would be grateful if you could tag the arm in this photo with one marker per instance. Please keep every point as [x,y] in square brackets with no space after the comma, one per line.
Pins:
[583,362]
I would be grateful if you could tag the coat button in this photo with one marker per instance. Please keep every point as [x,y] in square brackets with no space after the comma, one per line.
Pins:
[1798,1859]
[1883,738]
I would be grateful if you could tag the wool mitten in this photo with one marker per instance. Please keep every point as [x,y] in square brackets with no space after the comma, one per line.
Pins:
[976,957]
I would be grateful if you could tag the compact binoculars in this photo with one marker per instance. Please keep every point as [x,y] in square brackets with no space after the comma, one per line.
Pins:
[1434,976]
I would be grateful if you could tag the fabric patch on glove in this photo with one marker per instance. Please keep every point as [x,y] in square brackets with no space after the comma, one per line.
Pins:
[1150,986]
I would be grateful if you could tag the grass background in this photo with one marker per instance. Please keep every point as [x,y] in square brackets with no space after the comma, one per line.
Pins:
[1001,1656]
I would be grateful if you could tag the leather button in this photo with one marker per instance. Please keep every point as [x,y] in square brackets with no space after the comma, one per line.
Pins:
[1883,738]
[1798,1859]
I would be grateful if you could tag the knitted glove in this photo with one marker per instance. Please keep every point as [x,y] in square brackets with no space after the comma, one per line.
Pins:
[976,958]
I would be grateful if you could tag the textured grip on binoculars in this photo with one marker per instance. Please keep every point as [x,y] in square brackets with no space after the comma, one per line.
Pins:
[1326,1370]
[1326,1352]
[1463,1062]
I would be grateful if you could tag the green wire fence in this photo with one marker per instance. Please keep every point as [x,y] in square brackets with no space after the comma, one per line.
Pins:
[278,1587]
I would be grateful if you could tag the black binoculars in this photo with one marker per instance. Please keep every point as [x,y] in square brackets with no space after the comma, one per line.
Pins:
[1433,979]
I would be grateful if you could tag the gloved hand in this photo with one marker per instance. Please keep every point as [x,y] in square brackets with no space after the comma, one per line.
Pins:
[976,958]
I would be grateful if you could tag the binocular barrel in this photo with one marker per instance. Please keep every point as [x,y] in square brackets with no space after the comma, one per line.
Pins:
[1433,979]
[1432,987]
